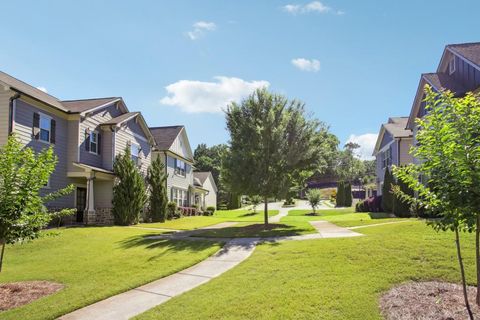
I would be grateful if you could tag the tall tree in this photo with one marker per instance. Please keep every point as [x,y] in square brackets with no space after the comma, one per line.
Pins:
[129,192]
[158,199]
[271,140]
[23,173]
[447,177]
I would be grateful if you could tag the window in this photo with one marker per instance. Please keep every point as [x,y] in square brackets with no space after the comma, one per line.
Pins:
[180,167]
[387,158]
[135,151]
[180,197]
[451,66]
[94,142]
[45,128]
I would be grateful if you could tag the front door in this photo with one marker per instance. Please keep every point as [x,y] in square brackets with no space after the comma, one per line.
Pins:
[81,203]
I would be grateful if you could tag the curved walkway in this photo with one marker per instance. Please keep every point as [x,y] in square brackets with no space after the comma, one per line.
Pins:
[133,302]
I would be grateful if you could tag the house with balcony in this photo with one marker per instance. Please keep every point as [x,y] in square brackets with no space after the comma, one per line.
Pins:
[458,71]
[86,136]
[392,147]
[174,149]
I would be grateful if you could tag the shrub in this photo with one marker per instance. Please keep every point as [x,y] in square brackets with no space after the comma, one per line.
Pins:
[211,210]
[172,210]
[255,200]
[348,195]
[372,204]
[401,208]
[340,199]
[158,198]
[314,197]
[387,196]
[333,195]
[129,192]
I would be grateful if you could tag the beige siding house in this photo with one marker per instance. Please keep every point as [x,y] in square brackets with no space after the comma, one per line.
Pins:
[205,181]
[86,135]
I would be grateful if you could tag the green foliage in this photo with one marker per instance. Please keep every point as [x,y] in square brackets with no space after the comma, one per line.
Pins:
[23,173]
[387,195]
[340,197]
[235,201]
[255,200]
[129,191]
[271,142]
[209,211]
[402,207]
[158,199]
[314,198]
[348,194]
[172,210]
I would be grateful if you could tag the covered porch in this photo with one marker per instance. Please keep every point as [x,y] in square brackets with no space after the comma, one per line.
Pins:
[199,194]
[93,194]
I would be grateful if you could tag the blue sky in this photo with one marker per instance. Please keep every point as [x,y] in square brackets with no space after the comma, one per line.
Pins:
[354,63]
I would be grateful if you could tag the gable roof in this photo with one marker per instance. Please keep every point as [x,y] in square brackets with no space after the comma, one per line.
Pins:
[469,51]
[165,136]
[396,126]
[442,81]
[120,119]
[203,176]
[82,105]
[23,87]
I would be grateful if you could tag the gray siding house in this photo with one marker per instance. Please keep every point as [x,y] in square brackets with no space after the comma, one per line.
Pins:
[392,148]
[458,72]
[86,136]
[174,149]
[207,195]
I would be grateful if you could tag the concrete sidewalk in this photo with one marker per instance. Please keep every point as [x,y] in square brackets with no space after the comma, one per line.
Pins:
[131,303]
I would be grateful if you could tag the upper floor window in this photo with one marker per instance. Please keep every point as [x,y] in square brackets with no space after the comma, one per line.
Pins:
[135,151]
[451,66]
[180,167]
[93,142]
[44,128]
[387,158]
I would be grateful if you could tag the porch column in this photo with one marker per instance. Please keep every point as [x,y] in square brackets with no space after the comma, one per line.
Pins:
[90,208]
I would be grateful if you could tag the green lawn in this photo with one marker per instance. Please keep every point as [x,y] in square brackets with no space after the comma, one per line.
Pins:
[324,279]
[306,215]
[93,264]
[242,215]
[248,229]
[185,223]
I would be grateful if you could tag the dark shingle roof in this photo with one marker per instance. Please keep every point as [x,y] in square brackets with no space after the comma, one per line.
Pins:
[396,127]
[201,176]
[31,91]
[470,51]
[165,136]
[442,81]
[121,118]
[86,104]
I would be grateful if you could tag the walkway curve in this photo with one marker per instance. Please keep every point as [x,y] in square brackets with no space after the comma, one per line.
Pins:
[133,302]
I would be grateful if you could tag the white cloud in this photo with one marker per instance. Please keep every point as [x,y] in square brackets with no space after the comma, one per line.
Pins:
[43,89]
[210,97]
[314,6]
[303,64]
[200,28]
[367,144]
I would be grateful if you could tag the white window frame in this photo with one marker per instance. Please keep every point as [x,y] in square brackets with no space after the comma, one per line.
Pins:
[178,170]
[180,197]
[452,66]
[92,134]
[49,130]
[135,157]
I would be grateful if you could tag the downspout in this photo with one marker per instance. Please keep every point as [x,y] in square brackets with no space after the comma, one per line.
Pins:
[11,110]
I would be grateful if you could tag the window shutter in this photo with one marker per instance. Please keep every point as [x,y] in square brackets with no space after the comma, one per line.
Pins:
[99,143]
[36,126]
[53,129]
[87,140]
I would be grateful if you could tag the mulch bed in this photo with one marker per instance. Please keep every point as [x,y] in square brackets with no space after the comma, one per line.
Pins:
[16,294]
[427,300]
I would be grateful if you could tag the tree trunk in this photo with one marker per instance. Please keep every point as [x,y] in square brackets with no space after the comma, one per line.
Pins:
[462,271]
[2,243]
[265,212]
[477,257]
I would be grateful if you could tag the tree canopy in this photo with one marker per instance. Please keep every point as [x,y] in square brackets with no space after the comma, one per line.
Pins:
[272,141]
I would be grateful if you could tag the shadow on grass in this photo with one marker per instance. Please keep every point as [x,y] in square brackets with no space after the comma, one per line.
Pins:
[152,241]
[254,230]
[380,215]
[249,214]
